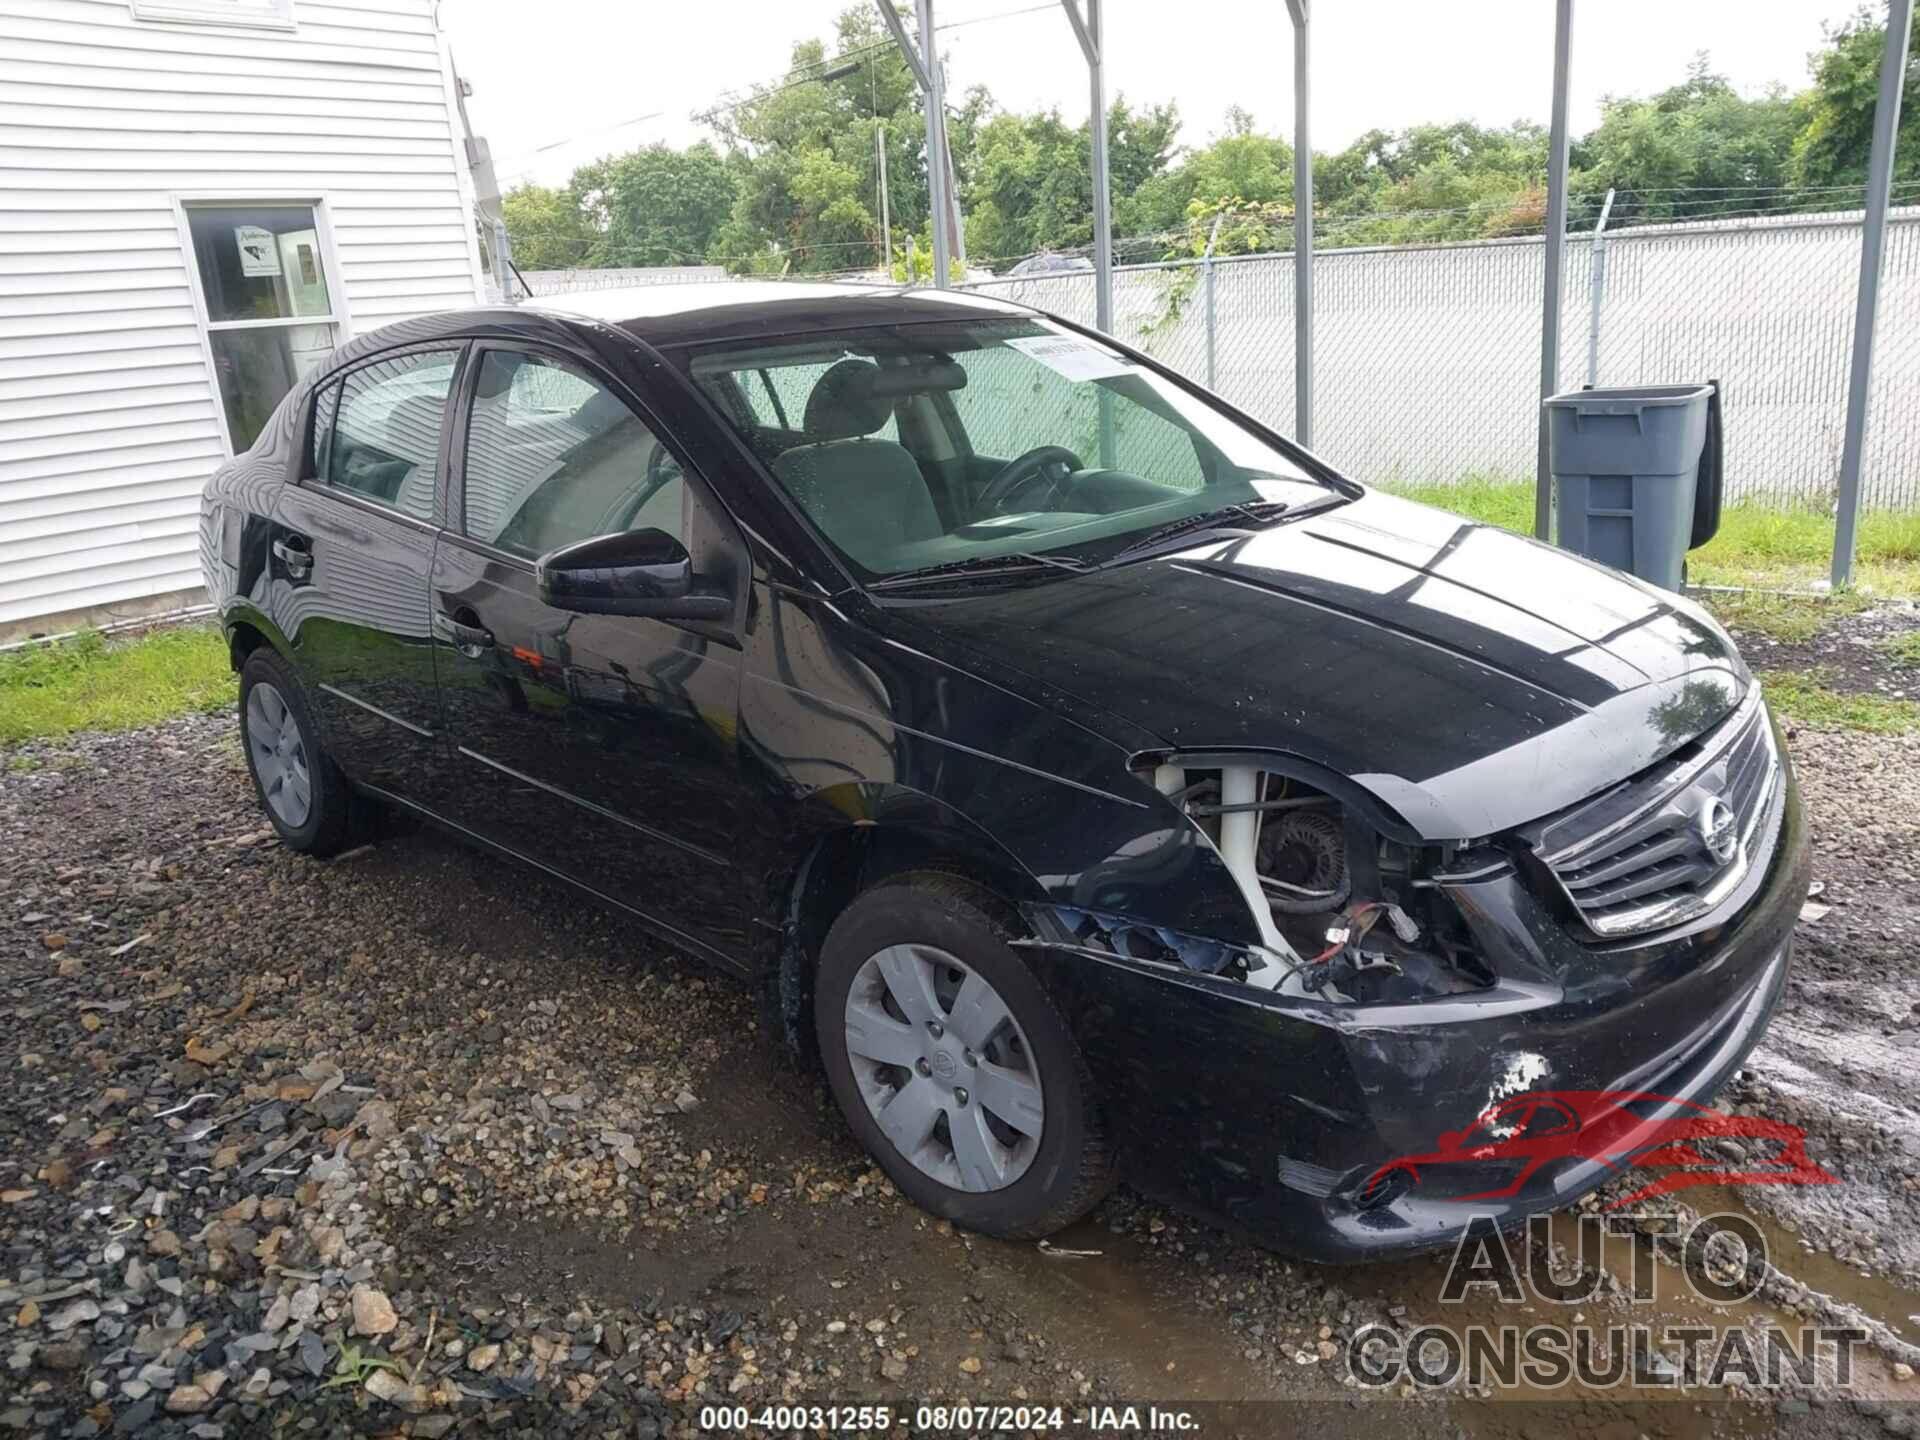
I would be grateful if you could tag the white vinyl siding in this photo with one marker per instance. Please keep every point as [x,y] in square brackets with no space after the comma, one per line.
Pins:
[109,419]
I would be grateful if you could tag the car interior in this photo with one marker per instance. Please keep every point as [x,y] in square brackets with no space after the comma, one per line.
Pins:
[929,496]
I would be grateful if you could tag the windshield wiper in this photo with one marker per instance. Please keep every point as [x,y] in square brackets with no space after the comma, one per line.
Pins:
[1237,519]
[984,567]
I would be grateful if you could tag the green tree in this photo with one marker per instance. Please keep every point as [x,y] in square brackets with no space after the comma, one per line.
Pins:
[656,206]
[547,228]
[1697,148]
[1834,143]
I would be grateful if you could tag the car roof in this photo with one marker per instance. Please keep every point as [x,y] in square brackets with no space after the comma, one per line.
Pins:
[666,315]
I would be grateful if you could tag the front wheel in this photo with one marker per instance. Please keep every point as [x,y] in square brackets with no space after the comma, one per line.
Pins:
[952,1065]
[301,789]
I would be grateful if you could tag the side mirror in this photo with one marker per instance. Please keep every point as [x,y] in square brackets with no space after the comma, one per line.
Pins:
[630,572]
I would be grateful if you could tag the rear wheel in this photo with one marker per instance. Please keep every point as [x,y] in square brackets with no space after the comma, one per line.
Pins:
[952,1065]
[303,792]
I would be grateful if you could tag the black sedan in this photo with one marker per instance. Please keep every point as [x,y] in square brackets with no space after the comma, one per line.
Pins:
[1095,781]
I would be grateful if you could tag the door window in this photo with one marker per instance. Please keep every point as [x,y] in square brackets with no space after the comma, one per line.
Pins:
[554,456]
[270,310]
[376,433]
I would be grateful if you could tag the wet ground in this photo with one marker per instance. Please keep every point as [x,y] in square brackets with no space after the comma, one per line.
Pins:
[525,1127]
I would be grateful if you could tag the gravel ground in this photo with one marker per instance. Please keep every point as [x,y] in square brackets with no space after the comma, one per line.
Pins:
[412,1141]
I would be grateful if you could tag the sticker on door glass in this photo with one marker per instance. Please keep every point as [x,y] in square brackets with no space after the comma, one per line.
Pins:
[259,250]
[1072,357]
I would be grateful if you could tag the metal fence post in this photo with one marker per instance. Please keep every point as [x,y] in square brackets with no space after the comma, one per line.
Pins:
[1597,291]
[1206,274]
[1873,245]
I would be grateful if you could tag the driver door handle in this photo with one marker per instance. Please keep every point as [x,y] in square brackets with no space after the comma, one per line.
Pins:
[473,641]
[295,556]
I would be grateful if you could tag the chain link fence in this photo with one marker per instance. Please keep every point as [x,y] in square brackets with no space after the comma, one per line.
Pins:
[1427,358]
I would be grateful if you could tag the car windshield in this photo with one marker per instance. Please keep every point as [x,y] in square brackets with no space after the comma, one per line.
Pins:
[945,447]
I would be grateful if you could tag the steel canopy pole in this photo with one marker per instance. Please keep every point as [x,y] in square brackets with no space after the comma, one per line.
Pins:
[1873,244]
[926,74]
[1302,232]
[1556,258]
[1088,33]
[937,176]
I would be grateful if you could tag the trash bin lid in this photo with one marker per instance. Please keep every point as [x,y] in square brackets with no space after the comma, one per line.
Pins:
[1625,399]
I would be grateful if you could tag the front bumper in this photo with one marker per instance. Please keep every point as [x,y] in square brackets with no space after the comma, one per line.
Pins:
[1268,1114]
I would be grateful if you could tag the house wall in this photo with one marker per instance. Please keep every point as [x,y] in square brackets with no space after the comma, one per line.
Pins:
[110,420]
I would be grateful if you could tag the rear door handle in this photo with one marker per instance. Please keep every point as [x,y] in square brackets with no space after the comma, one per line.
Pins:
[295,555]
[472,641]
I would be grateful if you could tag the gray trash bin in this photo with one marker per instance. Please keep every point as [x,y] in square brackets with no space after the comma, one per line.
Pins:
[1624,465]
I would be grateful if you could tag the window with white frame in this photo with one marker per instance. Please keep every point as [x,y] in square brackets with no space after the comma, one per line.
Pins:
[270,310]
[275,13]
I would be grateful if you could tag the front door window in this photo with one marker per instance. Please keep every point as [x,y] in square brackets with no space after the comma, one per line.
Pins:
[271,313]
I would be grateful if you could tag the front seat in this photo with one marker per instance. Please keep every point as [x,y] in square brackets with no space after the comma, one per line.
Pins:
[867,496]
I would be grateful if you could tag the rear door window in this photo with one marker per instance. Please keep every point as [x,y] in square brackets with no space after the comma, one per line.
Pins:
[377,433]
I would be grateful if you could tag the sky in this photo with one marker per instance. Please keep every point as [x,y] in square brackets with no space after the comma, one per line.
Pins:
[561,82]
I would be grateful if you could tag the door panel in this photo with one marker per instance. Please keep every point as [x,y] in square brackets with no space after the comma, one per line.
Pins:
[349,567]
[602,746]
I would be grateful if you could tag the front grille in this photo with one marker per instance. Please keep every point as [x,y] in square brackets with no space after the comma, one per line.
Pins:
[1672,843]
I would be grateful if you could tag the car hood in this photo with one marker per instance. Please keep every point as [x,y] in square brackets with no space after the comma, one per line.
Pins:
[1469,678]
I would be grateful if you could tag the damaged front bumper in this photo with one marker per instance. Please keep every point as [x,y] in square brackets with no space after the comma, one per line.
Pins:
[1270,1112]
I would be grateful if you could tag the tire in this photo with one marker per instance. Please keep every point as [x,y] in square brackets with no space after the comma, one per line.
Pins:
[282,743]
[1018,1186]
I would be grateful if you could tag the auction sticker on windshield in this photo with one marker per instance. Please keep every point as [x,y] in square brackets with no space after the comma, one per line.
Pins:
[1071,357]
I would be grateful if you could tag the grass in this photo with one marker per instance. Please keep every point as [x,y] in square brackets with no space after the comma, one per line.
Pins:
[1790,619]
[92,683]
[1904,648]
[1768,545]
[1803,697]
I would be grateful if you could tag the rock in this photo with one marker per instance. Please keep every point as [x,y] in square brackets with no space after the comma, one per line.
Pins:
[572,1101]
[64,1354]
[1902,1370]
[432,1427]
[28,1314]
[482,1357]
[313,1353]
[686,1102]
[971,1365]
[277,1315]
[163,1242]
[372,1311]
[305,1304]
[54,940]
[893,1369]
[78,1313]
[387,1386]
[134,1421]
[188,1400]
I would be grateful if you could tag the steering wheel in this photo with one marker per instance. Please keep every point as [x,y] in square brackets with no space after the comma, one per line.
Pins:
[1049,463]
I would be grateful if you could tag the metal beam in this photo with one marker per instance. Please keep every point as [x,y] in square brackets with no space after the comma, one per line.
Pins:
[1302,230]
[924,62]
[1088,32]
[1873,244]
[1556,258]
[912,56]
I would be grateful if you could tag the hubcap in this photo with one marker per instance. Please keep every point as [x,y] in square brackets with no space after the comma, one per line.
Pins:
[944,1068]
[279,754]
